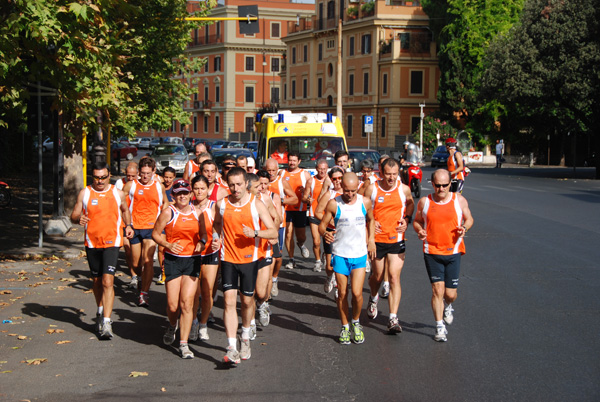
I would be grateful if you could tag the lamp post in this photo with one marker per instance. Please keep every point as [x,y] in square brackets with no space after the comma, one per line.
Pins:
[548,149]
[421,105]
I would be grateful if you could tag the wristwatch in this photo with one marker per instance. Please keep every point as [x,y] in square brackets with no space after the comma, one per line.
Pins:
[256,233]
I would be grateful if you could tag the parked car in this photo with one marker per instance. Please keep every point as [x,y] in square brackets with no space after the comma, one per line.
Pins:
[220,144]
[47,145]
[172,140]
[253,146]
[220,153]
[155,142]
[135,141]
[144,143]
[235,144]
[440,156]
[357,155]
[175,156]
[123,151]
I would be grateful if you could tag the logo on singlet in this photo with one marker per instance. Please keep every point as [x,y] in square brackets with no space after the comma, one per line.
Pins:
[237,210]
[141,192]
[94,202]
[248,256]
[287,178]
[380,199]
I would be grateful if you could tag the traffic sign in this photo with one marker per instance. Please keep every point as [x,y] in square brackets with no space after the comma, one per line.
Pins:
[368,122]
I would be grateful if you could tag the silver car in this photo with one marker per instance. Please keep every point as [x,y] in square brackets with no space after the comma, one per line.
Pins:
[175,156]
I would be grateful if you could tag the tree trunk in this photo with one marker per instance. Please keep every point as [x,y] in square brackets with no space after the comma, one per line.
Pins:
[73,170]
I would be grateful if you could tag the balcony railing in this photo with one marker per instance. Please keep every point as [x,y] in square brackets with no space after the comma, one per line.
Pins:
[205,40]
[304,24]
[200,105]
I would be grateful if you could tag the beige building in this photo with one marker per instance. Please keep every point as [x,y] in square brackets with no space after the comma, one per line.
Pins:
[389,67]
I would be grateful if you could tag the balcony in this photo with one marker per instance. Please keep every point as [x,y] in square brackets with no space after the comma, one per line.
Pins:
[200,106]
[304,24]
[205,40]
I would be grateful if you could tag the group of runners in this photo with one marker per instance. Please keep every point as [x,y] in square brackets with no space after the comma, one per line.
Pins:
[230,227]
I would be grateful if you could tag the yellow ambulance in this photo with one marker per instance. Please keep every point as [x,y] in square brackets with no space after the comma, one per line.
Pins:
[313,135]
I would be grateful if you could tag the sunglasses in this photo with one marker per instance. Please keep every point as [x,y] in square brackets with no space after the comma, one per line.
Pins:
[181,185]
[441,185]
[230,165]
[99,178]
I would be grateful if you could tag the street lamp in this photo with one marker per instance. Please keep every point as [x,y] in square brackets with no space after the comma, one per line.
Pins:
[421,105]
[548,149]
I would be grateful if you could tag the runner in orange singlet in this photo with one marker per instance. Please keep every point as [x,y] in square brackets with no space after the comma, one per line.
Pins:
[148,199]
[287,197]
[456,166]
[296,218]
[216,192]
[392,208]
[183,245]
[131,174]
[311,193]
[101,208]
[237,223]
[194,165]
[442,220]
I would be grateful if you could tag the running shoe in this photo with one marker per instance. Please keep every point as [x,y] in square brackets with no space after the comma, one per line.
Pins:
[185,352]
[357,333]
[106,332]
[252,332]
[211,318]
[274,290]
[385,290]
[263,314]
[133,284]
[194,331]
[318,266]
[345,336]
[372,308]
[291,264]
[368,267]
[99,321]
[440,334]
[169,336]
[329,281]
[156,254]
[232,356]
[245,351]
[143,300]
[394,326]
[203,333]
[161,279]
[303,250]
[448,316]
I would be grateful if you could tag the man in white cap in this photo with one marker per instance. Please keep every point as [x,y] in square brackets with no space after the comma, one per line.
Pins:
[251,165]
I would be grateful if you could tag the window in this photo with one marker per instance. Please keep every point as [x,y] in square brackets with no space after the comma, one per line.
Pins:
[351,46]
[275,30]
[365,83]
[217,63]
[349,126]
[285,91]
[217,94]
[218,26]
[351,84]
[275,64]
[416,82]
[195,123]
[330,10]
[305,53]
[320,52]
[206,92]
[383,124]
[195,96]
[330,70]
[415,122]
[249,124]
[293,89]
[305,88]
[217,123]
[274,94]
[415,42]
[362,126]
[330,43]
[206,33]
[320,88]
[173,126]
[249,94]
[384,84]
[293,55]
[205,123]
[365,45]
[249,63]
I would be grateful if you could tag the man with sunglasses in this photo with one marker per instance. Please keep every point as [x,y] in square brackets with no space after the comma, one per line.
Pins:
[441,222]
[228,163]
[148,199]
[101,208]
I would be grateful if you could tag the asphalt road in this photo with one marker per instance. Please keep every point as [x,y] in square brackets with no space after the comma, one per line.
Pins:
[525,326]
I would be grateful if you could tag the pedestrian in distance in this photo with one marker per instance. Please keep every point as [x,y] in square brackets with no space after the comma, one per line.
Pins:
[499,153]
[101,208]
[456,166]
[441,222]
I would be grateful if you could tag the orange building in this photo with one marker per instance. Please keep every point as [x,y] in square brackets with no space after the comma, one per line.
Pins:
[242,71]
[389,67]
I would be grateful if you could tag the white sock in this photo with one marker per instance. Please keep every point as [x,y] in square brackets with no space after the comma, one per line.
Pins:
[318,261]
[375,298]
[449,306]
[245,333]
[274,280]
[253,322]
[100,310]
[386,283]
[195,320]
[232,342]
[393,316]
[355,322]
[347,326]
[440,323]
[106,319]
[203,325]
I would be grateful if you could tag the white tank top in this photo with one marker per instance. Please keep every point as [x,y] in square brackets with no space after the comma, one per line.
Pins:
[350,229]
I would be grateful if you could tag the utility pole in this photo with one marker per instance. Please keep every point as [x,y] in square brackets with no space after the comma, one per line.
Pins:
[339,70]
[421,105]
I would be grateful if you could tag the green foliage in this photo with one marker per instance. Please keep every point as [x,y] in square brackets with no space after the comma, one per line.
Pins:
[368,7]
[113,56]
[432,125]
[546,70]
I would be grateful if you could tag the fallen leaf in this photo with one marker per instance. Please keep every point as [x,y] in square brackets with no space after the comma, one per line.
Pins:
[119,274]
[163,389]
[35,362]
[60,331]
[21,337]
[60,270]
[55,257]
[46,269]
[16,318]
[6,371]
[87,291]
[5,292]
[53,326]
[12,334]
[61,288]
[16,347]
[4,304]
[138,374]
[81,310]
[263,344]
[68,280]
[3,361]
[68,265]
[62,342]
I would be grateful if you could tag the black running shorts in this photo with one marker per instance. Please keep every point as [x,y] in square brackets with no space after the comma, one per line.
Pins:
[239,276]
[102,260]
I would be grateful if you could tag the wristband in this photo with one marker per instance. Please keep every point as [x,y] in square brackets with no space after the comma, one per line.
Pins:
[203,241]
[408,219]
[215,236]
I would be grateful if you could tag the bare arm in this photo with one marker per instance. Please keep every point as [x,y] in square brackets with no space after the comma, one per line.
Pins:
[77,215]
[271,231]
[321,206]
[186,170]
[161,222]
[306,194]
[126,215]
[467,217]
[418,222]
[330,211]
[325,188]
[370,228]
[290,196]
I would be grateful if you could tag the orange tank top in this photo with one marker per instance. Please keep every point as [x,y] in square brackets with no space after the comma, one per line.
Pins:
[183,227]
[104,229]
[146,203]
[297,181]
[388,210]
[265,246]
[315,189]
[441,223]
[453,165]
[276,187]
[192,167]
[208,219]
[237,248]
